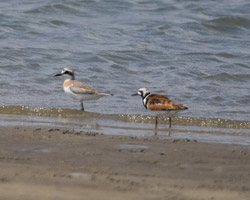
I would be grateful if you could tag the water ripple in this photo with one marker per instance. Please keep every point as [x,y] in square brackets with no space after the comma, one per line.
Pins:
[197,52]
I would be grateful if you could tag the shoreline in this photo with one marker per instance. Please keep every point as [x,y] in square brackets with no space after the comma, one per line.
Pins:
[215,131]
[46,163]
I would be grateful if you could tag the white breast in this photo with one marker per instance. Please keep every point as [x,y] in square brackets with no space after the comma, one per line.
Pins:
[70,93]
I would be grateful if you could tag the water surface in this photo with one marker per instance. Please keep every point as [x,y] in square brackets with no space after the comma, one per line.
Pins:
[196,52]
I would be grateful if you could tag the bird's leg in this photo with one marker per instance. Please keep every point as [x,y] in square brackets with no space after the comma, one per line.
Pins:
[82,108]
[169,126]
[156,122]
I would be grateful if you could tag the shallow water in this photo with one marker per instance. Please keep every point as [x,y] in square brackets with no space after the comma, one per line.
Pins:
[201,129]
[197,52]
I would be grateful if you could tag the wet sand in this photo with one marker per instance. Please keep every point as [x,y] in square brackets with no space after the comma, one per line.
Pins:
[44,163]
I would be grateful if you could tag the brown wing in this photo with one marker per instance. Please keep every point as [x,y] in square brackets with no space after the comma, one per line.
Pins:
[162,102]
[81,88]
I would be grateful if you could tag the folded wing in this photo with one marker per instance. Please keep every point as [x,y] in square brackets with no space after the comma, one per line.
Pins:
[78,87]
[162,102]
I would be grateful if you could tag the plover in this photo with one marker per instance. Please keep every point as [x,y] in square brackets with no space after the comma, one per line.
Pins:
[157,102]
[78,90]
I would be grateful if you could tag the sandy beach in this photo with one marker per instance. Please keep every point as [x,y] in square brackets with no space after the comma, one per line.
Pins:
[44,163]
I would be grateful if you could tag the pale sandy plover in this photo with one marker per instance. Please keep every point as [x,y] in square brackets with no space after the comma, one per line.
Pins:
[78,90]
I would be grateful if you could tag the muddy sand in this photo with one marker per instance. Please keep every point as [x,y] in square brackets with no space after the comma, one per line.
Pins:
[43,163]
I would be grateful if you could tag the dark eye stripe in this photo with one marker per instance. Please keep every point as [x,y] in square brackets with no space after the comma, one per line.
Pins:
[69,73]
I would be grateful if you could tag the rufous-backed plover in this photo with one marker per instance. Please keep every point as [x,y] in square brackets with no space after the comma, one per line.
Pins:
[157,102]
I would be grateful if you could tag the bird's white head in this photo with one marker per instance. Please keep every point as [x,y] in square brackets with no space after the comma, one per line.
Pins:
[67,71]
[143,92]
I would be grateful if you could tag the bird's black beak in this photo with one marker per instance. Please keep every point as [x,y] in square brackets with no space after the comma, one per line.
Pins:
[59,74]
[135,94]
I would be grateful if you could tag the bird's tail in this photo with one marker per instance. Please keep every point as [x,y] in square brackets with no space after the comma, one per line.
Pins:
[105,94]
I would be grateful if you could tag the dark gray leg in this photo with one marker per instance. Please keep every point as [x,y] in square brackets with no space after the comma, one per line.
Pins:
[170,123]
[169,126]
[82,108]
[156,122]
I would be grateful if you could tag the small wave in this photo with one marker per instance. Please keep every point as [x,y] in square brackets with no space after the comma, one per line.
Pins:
[52,8]
[225,55]
[228,24]
[225,77]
